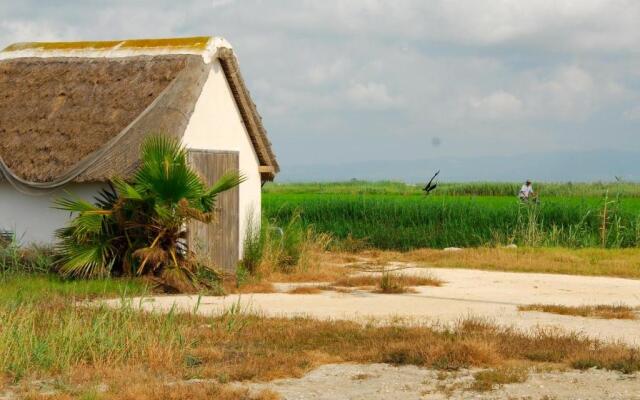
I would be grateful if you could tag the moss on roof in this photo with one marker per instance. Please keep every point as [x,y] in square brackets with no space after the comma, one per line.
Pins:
[189,43]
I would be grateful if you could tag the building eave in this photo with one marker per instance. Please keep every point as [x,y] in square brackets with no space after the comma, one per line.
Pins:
[253,121]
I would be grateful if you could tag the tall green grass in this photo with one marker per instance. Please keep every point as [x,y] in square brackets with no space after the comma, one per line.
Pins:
[30,260]
[44,327]
[282,248]
[567,189]
[27,274]
[52,338]
[20,288]
[395,221]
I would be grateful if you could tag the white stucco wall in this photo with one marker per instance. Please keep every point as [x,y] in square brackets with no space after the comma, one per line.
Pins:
[216,124]
[31,217]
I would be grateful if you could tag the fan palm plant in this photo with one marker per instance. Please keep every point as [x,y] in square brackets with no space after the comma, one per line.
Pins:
[139,227]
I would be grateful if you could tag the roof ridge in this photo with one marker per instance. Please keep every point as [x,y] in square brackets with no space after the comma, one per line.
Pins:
[205,46]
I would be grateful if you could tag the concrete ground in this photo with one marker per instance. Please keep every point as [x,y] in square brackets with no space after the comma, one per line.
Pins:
[386,382]
[486,294]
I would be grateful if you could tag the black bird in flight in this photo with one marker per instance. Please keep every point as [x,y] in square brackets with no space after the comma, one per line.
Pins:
[431,186]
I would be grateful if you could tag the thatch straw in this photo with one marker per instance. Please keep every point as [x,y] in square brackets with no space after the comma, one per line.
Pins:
[61,113]
[55,112]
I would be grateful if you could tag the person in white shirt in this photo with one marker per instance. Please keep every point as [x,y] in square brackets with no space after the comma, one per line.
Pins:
[526,191]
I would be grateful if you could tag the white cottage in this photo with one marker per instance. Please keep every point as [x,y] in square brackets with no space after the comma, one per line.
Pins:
[73,115]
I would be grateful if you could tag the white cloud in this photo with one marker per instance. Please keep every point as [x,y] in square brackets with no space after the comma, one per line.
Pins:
[569,92]
[371,95]
[221,3]
[21,30]
[566,93]
[497,105]
[324,73]
[584,25]
[508,68]
[633,114]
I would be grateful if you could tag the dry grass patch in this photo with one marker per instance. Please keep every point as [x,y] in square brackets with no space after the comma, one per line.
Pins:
[305,290]
[375,279]
[356,281]
[393,284]
[614,359]
[192,391]
[264,348]
[596,311]
[491,378]
[389,281]
[156,389]
[251,287]
[591,262]
[102,345]
[320,272]
[386,282]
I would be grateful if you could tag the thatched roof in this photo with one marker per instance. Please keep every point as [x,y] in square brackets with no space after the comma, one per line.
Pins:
[79,111]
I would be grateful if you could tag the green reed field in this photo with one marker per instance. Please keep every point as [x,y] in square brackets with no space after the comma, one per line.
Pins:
[509,189]
[391,215]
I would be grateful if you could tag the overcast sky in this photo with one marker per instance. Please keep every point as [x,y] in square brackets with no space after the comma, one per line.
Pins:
[358,80]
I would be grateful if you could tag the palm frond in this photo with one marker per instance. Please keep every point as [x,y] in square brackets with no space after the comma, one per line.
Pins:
[165,172]
[74,205]
[157,149]
[106,198]
[90,218]
[85,260]
[163,212]
[125,190]
[227,181]
[185,210]
[89,222]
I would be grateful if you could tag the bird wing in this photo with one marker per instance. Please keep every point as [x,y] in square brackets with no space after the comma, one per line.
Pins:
[428,187]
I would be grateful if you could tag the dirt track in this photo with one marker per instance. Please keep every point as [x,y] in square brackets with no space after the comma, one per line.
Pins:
[386,382]
[486,294]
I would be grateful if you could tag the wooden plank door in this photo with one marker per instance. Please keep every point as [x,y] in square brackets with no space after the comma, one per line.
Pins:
[218,241]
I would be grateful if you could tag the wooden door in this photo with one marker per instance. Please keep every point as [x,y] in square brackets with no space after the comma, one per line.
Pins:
[218,241]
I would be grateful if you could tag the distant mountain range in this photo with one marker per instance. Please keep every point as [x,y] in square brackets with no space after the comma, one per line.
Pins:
[601,165]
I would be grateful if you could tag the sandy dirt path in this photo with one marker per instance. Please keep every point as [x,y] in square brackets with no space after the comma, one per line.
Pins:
[485,294]
[386,382]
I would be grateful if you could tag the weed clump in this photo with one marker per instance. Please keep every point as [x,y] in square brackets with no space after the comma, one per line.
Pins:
[16,259]
[305,290]
[386,282]
[597,311]
[282,249]
[489,379]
